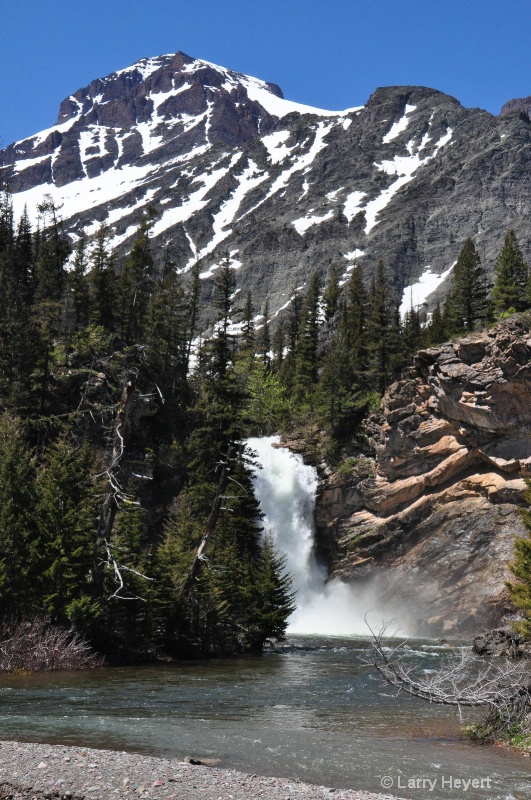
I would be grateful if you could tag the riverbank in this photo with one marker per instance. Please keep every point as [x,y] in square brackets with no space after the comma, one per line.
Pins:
[35,771]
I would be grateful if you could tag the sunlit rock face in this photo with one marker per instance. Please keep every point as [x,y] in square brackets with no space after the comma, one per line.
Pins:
[231,167]
[435,512]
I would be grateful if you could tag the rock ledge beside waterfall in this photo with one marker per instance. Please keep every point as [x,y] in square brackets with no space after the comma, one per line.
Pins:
[434,512]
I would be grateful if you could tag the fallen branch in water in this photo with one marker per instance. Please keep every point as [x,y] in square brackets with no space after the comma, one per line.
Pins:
[465,680]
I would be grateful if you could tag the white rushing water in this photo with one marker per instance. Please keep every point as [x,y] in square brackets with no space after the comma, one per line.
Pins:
[286,488]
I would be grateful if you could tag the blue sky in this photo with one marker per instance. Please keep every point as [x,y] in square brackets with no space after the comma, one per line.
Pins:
[326,53]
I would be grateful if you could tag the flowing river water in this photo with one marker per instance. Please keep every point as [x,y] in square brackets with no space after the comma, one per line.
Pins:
[310,709]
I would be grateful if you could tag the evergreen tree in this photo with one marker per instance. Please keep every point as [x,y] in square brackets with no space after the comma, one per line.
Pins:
[263,339]
[65,517]
[17,531]
[306,355]
[78,285]
[167,334]
[510,286]
[332,293]
[136,283]
[378,329]
[467,303]
[436,330]
[102,281]
[248,339]
[520,590]
[223,341]
[291,332]
[194,299]
[24,267]
[278,345]
[51,257]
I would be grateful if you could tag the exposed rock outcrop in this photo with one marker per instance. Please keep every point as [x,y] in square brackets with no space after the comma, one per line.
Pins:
[436,510]
[520,105]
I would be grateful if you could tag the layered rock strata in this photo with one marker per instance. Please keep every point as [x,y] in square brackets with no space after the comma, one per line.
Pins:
[434,513]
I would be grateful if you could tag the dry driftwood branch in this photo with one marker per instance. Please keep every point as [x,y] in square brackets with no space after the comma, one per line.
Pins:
[503,686]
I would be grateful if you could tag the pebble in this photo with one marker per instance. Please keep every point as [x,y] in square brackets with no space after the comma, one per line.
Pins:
[118,773]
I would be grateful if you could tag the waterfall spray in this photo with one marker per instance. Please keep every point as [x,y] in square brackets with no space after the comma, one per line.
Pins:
[286,489]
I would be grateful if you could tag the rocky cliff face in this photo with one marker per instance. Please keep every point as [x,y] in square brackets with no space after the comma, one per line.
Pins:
[232,167]
[520,105]
[434,512]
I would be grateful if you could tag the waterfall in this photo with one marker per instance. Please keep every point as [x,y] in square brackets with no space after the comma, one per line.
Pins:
[286,488]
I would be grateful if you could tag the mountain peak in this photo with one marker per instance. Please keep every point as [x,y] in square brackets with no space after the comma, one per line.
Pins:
[519,105]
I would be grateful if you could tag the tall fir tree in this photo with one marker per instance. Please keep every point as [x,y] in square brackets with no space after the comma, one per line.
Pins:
[511,277]
[378,320]
[467,304]
[102,282]
[306,354]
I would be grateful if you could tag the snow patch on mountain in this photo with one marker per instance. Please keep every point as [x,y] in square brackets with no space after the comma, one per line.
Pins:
[83,194]
[234,263]
[397,127]
[249,179]
[415,295]
[353,204]
[23,164]
[276,147]
[304,223]
[195,202]
[405,167]
[303,163]
[146,66]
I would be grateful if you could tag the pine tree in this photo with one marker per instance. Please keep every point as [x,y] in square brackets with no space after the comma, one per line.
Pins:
[24,266]
[51,257]
[65,514]
[520,590]
[194,299]
[167,320]
[306,355]
[17,530]
[436,329]
[511,277]
[278,345]
[377,330]
[248,338]
[136,283]
[332,293]
[102,281]
[223,341]
[271,600]
[467,303]
[263,338]
[291,334]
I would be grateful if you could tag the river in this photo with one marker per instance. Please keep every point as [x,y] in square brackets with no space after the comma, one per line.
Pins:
[310,709]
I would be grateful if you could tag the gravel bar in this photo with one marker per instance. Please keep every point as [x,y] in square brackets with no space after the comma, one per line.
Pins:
[36,771]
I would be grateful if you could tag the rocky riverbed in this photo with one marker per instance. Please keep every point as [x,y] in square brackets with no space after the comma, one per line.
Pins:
[35,771]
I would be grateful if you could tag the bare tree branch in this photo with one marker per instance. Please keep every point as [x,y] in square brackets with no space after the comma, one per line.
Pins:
[501,685]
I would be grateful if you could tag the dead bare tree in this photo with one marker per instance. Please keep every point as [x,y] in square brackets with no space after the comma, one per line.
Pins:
[465,680]
[115,494]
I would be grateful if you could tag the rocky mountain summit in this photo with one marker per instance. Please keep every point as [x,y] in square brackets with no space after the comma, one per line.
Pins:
[520,105]
[438,502]
[233,168]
